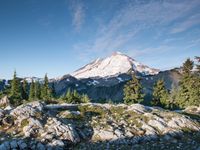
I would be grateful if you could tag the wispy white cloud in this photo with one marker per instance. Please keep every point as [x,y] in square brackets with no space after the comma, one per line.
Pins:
[150,50]
[193,43]
[132,19]
[188,23]
[78,14]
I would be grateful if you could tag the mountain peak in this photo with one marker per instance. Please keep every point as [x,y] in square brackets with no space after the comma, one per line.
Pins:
[117,53]
[113,65]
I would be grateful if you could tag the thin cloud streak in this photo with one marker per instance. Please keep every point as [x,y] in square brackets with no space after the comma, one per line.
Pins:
[190,22]
[131,20]
[78,14]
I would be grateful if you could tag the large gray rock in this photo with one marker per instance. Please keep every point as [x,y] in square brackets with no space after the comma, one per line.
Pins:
[158,124]
[33,109]
[118,133]
[8,120]
[58,143]
[33,127]
[2,113]
[180,121]
[138,108]
[193,110]
[102,135]
[61,130]
[4,101]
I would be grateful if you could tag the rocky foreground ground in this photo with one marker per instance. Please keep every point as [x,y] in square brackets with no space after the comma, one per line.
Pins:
[38,126]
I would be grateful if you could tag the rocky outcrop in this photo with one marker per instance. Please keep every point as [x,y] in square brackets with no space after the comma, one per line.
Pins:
[193,110]
[2,113]
[27,111]
[4,102]
[58,130]
[42,127]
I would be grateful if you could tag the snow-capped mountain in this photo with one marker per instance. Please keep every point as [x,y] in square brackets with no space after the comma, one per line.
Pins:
[114,65]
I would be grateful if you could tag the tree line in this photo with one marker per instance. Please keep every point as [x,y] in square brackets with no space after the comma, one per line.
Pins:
[187,92]
[21,91]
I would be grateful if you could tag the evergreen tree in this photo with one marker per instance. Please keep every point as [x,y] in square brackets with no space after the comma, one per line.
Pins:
[171,103]
[187,93]
[37,90]
[194,91]
[187,67]
[24,90]
[198,65]
[53,91]
[68,96]
[133,91]
[85,98]
[194,85]
[32,91]
[15,90]
[46,93]
[76,97]
[160,94]
[6,91]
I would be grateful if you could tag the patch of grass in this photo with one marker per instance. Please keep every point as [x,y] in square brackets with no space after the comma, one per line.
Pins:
[96,138]
[186,130]
[73,116]
[92,110]
[24,122]
[2,106]
[38,115]
[133,117]
[119,110]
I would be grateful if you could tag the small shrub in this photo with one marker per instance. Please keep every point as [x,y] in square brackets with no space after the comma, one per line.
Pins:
[24,122]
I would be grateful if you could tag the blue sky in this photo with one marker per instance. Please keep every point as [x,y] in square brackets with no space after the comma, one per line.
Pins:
[59,36]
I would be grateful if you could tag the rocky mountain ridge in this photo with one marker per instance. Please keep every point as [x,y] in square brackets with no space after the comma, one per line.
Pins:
[110,87]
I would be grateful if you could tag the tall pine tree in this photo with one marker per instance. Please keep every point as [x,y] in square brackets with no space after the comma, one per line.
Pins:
[187,67]
[46,92]
[195,85]
[160,94]
[186,84]
[15,90]
[37,90]
[76,97]
[198,65]
[85,98]
[24,90]
[172,103]
[32,91]
[133,91]
[68,96]
[53,91]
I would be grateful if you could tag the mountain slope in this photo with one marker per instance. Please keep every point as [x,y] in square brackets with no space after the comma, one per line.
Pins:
[101,89]
[114,65]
